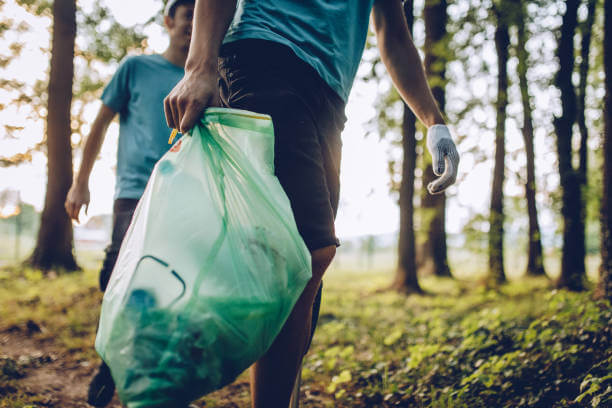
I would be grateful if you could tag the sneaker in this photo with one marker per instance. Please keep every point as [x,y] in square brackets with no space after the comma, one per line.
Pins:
[101,388]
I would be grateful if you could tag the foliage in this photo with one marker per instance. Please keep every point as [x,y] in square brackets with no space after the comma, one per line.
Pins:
[28,218]
[526,346]
[65,308]
[101,42]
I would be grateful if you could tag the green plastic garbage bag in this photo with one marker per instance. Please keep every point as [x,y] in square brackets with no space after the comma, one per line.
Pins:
[210,267]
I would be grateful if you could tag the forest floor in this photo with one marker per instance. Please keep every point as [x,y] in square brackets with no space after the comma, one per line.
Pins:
[459,345]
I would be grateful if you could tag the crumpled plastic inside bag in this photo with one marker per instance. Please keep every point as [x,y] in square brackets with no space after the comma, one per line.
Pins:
[210,267]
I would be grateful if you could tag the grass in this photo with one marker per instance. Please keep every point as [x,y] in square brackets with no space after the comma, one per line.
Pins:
[65,308]
[524,346]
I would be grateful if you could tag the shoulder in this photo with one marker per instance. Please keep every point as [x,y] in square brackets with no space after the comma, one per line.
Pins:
[139,60]
[145,57]
[135,60]
[147,62]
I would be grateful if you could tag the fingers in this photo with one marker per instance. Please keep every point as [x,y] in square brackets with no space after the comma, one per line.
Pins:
[447,179]
[72,209]
[181,113]
[445,162]
[437,158]
[440,144]
[444,148]
[173,104]
[172,111]
[168,112]
[192,114]
[75,210]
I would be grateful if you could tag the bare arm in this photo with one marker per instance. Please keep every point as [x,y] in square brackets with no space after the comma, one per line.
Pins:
[403,62]
[198,88]
[79,191]
[93,143]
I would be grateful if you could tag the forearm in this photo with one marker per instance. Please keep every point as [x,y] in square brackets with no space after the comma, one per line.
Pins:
[211,20]
[403,62]
[408,76]
[93,143]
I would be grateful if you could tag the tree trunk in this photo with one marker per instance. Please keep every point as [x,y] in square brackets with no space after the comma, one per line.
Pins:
[434,252]
[54,245]
[572,260]
[605,271]
[406,274]
[496,218]
[586,29]
[535,262]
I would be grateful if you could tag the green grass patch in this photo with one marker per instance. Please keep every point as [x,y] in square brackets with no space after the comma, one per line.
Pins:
[458,346]
[64,309]
[525,346]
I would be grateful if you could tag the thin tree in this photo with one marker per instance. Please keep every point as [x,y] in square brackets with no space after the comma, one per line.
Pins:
[434,251]
[535,262]
[573,253]
[406,279]
[605,271]
[54,245]
[496,217]
[104,41]
[586,28]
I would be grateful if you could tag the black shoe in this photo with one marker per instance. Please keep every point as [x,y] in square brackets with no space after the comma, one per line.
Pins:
[101,388]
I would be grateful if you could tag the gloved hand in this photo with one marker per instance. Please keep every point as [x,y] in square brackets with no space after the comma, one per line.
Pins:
[445,158]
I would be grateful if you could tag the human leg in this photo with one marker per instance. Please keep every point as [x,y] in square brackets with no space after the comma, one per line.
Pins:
[307,128]
[102,387]
[273,376]
[123,210]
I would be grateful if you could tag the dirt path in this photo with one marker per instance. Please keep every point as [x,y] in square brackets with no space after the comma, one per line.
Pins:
[51,374]
[58,380]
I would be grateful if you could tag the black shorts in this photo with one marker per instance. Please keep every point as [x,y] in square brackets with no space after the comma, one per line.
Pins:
[308,117]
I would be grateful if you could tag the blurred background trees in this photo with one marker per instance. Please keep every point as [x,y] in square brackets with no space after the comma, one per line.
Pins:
[60,101]
[525,85]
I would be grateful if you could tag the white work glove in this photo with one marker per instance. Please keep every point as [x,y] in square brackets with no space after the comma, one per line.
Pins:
[444,158]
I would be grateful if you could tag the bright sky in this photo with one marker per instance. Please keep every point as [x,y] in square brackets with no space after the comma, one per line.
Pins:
[365,204]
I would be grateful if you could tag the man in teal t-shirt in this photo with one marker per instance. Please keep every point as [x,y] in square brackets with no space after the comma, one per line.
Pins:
[136,92]
[296,61]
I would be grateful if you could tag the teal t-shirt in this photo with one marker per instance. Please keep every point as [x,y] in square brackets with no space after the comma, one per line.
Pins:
[137,92]
[327,34]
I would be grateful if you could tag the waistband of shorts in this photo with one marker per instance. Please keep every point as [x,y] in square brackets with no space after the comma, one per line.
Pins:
[258,52]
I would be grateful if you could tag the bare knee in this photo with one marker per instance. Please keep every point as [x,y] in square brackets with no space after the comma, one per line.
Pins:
[321,258]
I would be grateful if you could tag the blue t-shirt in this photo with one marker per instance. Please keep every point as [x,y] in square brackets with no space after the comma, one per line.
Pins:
[137,92]
[327,34]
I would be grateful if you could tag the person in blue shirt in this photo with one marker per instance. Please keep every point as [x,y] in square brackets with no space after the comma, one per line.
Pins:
[296,61]
[135,92]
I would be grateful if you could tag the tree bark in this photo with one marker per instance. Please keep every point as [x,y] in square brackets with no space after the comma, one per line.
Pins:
[605,271]
[406,279]
[535,260]
[406,274]
[572,260]
[434,256]
[496,218]
[54,245]
[586,29]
